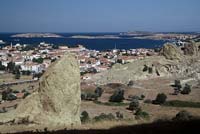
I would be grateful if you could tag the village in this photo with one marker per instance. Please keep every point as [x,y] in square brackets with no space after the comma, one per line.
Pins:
[37,59]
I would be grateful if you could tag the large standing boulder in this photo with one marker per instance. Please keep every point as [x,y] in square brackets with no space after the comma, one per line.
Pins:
[56,102]
[171,52]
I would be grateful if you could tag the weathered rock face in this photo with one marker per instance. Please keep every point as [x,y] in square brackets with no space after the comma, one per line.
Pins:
[152,67]
[191,49]
[56,102]
[171,52]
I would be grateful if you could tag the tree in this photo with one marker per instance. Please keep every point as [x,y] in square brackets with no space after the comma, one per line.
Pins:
[177,84]
[85,117]
[145,68]
[17,74]
[134,105]
[2,67]
[10,66]
[118,96]
[98,91]
[150,70]
[160,99]
[4,95]
[11,97]
[39,60]
[186,89]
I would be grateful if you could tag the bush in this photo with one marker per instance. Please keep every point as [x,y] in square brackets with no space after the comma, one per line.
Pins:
[85,117]
[182,116]
[83,96]
[130,83]
[89,96]
[103,116]
[160,99]
[142,97]
[111,103]
[150,70]
[38,60]
[186,89]
[11,97]
[98,91]
[178,103]
[177,84]
[133,97]
[118,96]
[119,115]
[134,105]
[26,94]
[145,68]
[141,114]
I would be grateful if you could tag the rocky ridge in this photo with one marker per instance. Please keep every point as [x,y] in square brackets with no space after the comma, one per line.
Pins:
[176,62]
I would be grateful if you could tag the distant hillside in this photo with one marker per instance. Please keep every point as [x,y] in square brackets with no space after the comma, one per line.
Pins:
[36,35]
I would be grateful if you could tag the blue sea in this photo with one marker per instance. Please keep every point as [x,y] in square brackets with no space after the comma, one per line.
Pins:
[93,44]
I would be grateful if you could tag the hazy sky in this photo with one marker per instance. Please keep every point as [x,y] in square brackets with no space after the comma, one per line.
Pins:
[99,15]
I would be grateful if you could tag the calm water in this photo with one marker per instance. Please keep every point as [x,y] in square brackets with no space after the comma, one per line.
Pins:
[97,44]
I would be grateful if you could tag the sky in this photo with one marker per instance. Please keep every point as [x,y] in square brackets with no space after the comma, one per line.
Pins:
[99,15]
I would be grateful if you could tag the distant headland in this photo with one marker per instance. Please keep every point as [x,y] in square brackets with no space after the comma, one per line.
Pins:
[36,35]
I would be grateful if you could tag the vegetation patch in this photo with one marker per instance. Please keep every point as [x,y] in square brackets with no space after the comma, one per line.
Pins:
[111,103]
[178,103]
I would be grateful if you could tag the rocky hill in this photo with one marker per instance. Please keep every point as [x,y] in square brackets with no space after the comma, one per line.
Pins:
[56,102]
[173,62]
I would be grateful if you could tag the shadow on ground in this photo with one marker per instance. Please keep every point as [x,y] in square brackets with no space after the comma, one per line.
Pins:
[153,128]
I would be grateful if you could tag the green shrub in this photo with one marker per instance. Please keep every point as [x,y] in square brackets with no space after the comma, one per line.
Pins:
[141,114]
[177,84]
[83,96]
[26,94]
[142,97]
[178,103]
[130,83]
[118,96]
[11,97]
[119,115]
[103,117]
[89,96]
[186,89]
[85,117]
[150,70]
[134,105]
[182,116]
[111,103]
[98,91]
[160,99]
[133,97]
[145,68]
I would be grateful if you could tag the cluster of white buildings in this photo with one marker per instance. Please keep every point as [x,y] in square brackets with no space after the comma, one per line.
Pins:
[91,61]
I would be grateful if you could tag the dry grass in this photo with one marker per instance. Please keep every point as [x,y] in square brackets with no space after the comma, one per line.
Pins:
[8,77]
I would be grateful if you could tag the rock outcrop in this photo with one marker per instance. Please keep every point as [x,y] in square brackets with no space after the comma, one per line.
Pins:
[171,52]
[152,67]
[191,49]
[171,63]
[56,102]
